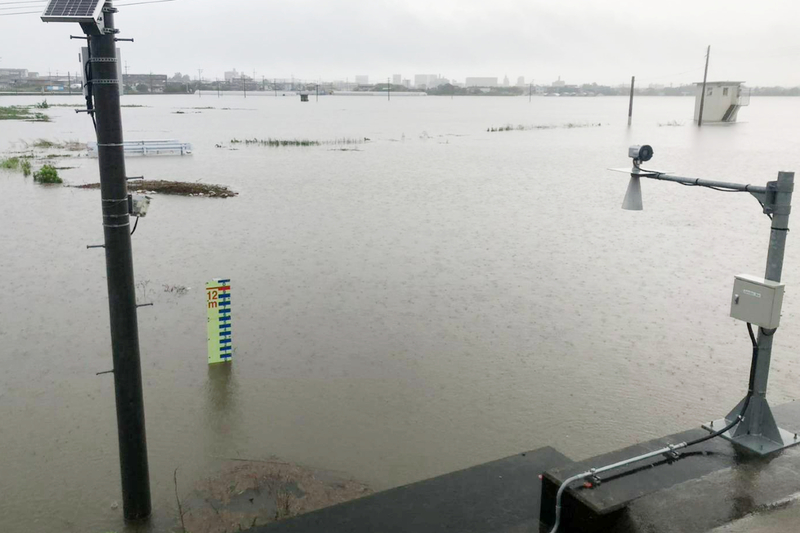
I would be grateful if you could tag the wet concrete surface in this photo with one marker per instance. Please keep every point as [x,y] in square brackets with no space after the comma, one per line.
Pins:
[711,485]
[783,518]
[714,488]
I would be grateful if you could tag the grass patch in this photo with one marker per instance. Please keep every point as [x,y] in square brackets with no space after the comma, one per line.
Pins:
[671,123]
[46,144]
[274,143]
[47,174]
[174,187]
[523,127]
[12,163]
[42,105]
[22,113]
[25,165]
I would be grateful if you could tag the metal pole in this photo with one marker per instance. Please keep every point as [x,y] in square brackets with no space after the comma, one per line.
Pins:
[389,89]
[759,420]
[69,82]
[630,105]
[703,93]
[244,84]
[119,272]
[530,92]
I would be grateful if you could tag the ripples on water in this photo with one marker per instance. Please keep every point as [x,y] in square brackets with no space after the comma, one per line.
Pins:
[441,297]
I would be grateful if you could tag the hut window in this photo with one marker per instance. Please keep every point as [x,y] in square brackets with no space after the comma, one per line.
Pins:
[725,91]
[710,92]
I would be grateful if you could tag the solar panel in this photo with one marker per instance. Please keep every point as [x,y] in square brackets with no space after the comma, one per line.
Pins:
[72,10]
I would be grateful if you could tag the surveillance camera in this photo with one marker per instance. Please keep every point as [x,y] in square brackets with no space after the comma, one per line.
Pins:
[641,153]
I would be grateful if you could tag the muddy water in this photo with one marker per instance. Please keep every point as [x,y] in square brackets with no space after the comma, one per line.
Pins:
[440,297]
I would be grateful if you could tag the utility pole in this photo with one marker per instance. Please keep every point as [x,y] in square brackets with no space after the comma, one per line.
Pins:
[530,92]
[200,82]
[389,89]
[703,94]
[630,105]
[218,95]
[275,86]
[119,273]
[244,84]
[151,82]
[69,82]
[318,92]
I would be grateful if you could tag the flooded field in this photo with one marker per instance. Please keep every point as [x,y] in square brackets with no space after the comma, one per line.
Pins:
[430,295]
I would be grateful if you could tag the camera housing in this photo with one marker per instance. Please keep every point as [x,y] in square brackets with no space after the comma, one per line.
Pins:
[641,153]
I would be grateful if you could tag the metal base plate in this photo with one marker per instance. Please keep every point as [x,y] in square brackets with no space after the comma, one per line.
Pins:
[755,443]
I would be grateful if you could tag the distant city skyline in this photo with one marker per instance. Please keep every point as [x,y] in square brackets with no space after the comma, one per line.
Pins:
[603,41]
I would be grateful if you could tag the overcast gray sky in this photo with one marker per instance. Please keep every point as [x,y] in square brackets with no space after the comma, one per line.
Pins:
[605,41]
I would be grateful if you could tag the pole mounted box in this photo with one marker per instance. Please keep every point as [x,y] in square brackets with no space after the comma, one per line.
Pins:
[757,301]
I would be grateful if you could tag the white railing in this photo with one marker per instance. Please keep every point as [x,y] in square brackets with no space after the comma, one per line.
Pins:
[150,147]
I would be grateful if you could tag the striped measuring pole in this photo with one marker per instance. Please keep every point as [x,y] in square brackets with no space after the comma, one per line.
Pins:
[218,300]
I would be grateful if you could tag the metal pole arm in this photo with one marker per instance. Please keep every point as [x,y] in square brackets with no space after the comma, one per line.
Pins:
[699,182]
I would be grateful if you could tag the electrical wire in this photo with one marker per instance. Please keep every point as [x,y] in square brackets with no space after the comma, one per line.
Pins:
[135,225]
[87,72]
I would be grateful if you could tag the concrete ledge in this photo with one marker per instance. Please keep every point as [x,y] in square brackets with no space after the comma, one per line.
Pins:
[701,490]
[497,497]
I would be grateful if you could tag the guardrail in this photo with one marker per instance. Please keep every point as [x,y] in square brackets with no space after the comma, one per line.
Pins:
[150,147]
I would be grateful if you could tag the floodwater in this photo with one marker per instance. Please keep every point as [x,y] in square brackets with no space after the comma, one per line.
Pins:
[441,297]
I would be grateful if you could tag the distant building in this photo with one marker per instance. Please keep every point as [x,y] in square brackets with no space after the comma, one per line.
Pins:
[506,81]
[397,79]
[426,81]
[559,83]
[723,101]
[481,82]
[155,83]
[521,81]
[407,83]
[13,73]
[362,79]
[232,75]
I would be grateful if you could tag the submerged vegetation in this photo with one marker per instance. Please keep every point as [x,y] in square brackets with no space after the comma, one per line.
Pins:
[47,144]
[174,187]
[673,123]
[297,142]
[523,127]
[12,163]
[22,113]
[47,174]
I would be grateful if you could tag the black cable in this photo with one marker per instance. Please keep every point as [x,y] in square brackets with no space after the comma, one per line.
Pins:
[87,72]
[750,388]
[135,225]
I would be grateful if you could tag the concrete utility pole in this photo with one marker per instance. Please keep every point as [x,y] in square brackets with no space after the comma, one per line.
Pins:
[244,84]
[703,94]
[119,272]
[630,105]
[275,86]
[200,82]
